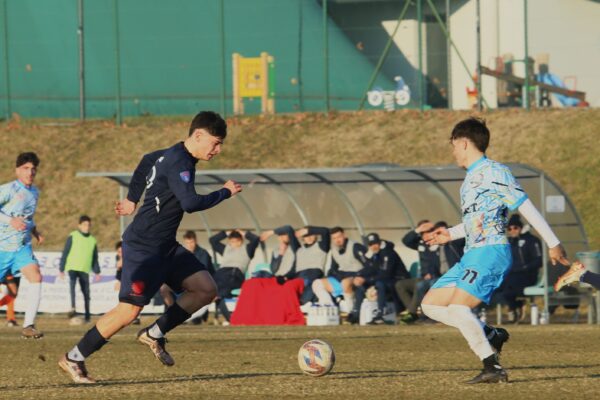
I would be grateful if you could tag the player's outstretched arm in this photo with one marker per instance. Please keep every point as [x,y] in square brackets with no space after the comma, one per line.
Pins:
[536,220]
[440,235]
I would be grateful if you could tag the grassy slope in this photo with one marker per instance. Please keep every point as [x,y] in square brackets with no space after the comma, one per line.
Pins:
[564,143]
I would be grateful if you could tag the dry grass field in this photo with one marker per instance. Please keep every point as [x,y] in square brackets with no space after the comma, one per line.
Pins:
[563,143]
[379,362]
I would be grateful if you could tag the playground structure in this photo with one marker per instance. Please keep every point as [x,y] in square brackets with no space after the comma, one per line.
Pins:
[513,89]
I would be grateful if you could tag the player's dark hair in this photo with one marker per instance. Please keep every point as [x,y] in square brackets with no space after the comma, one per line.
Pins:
[189,235]
[211,122]
[25,158]
[421,222]
[440,224]
[118,245]
[84,218]
[473,129]
[336,229]
[235,235]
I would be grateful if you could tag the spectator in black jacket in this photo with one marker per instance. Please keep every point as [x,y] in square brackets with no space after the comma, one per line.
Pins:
[283,259]
[527,260]
[384,266]
[348,259]
[435,260]
[234,263]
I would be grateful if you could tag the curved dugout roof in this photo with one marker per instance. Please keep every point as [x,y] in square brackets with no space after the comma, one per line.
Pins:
[387,199]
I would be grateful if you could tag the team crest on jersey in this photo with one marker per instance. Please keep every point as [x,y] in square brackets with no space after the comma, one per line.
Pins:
[185,176]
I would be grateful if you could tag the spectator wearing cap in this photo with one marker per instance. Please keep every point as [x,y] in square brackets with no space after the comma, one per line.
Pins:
[348,259]
[435,261]
[527,260]
[234,264]
[384,265]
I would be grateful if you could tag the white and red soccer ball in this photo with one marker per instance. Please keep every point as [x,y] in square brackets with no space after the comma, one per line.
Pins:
[316,357]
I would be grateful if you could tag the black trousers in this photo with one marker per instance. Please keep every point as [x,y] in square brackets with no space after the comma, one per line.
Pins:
[84,283]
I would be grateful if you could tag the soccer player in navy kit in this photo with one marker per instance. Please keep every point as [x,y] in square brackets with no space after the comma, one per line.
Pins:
[151,254]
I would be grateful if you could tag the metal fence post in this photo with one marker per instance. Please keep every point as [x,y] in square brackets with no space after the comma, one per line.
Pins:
[526,89]
[326,54]
[222,40]
[81,61]
[117,62]
[6,60]
[420,44]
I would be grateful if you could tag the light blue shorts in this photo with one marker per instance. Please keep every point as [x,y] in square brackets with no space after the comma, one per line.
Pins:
[336,286]
[479,272]
[11,262]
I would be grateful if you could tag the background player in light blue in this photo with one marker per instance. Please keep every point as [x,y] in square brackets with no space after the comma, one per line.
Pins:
[487,193]
[18,201]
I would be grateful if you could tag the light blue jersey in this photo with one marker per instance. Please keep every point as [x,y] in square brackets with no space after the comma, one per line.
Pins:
[17,200]
[487,193]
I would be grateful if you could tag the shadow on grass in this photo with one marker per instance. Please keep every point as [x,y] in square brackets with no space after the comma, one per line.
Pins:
[333,375]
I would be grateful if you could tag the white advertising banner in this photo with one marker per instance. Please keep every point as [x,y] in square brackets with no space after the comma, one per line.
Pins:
[104,293]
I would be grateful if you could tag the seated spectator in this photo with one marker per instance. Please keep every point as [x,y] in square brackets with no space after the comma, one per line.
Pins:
[311,258]
[283,259]
[435,260]
[383,266]
[234,264]
[527,260]
[348,259]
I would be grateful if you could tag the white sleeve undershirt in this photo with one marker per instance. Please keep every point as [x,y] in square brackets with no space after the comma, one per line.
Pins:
[535,219]
[4,218]
[457,232]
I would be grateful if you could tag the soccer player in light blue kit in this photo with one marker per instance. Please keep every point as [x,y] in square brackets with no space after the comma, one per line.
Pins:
[487,193]
[18,201]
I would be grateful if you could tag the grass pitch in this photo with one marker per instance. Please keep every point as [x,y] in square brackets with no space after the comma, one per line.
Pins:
[400,362]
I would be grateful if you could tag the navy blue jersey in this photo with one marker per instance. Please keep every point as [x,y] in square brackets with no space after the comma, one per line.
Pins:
[168,178]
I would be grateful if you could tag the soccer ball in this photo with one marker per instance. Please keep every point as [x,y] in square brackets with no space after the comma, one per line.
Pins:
[316,357]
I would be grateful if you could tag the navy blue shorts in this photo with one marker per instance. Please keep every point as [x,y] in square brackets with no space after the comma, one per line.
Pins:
[145,269]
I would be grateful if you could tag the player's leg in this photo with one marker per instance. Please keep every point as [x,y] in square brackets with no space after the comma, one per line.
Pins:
[31,272]
[381,287]
[190,278]
[142,275]
[12,284]
[167,295]
[84,283]
[72,287]
[348,291]
[577,273]
[199,289]
[360,287]
[462,288]
[73,362]
[322,289]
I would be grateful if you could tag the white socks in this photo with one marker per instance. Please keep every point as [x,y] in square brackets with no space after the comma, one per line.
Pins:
[462,318]
[324,297]
[438,313]
[471,329]
[75,354]
[155,332]
[33,303]
[349,298]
